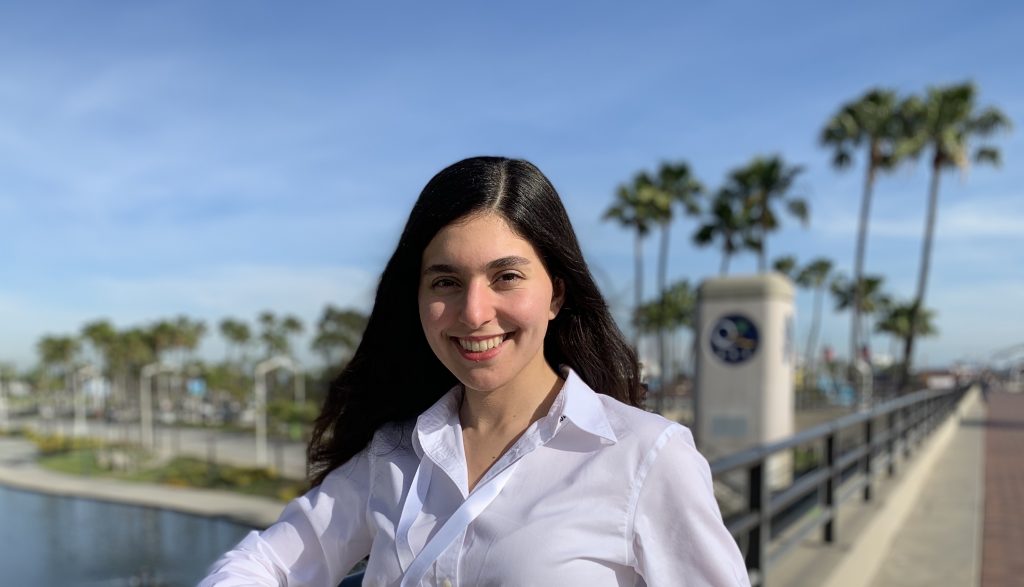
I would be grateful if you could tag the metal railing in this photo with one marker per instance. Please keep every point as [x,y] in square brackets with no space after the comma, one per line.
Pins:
[847,455]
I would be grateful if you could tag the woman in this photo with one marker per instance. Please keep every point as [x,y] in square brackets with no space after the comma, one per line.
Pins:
[464,444]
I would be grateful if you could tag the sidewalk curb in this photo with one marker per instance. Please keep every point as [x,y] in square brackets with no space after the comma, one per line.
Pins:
[247,510]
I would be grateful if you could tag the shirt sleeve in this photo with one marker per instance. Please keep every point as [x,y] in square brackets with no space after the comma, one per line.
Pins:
[317,540]
[678,535]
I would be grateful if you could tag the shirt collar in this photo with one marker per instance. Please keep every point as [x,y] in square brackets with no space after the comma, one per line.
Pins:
[437,429]
[582,406]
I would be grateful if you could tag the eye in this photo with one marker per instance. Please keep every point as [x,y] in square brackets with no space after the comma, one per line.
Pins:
[509,278]
[443,283]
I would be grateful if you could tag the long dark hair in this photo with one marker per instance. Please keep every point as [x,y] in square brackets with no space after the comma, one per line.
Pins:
[394,376]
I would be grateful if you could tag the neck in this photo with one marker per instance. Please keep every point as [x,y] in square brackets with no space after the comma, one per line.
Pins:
[512,408]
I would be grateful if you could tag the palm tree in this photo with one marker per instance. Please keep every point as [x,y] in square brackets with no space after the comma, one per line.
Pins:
[237,335]
[275,332]
[58,354]
[674,184]
[815,276]
[633,208]
[759,185]
[872,299]
[786,266]
[674,309]
[101,336]
[338,334]
[727,221]
[947,122]
[877,122]
[903,321]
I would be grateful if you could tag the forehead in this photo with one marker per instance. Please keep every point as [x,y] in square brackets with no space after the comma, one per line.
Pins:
[477,240]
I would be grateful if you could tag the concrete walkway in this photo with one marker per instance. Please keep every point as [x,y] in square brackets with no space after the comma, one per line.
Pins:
[939,542]
[18,469]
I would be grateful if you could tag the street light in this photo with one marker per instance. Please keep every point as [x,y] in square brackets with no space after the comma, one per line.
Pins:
[260,393]
[146,400]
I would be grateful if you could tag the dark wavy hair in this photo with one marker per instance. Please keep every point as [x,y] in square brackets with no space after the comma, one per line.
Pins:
[394,376]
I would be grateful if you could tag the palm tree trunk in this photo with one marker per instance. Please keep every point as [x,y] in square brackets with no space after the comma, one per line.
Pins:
[723,269]
[922,278]
[638,287]
[812,336]
[662,276]
[858,258]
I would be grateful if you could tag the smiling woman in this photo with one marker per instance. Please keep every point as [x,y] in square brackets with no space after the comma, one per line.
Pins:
[487,431]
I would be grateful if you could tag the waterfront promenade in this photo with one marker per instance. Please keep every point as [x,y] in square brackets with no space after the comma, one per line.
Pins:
[954,515]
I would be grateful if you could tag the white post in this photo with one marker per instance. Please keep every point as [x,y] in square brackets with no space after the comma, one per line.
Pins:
[260,397]
[146,401]
[3,403]
[82,374]
[261,418]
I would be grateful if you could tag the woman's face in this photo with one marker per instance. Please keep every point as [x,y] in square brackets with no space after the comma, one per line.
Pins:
[485,300]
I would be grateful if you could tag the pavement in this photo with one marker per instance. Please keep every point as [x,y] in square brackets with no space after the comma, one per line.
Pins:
[939,542]
[18,470]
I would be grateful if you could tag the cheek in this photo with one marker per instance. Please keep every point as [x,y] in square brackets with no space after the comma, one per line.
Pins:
[531,310]
[432,314]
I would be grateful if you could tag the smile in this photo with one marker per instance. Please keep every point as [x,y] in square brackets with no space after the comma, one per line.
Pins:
[479,345]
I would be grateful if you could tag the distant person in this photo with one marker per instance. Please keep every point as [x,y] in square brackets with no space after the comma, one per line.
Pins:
[488,429]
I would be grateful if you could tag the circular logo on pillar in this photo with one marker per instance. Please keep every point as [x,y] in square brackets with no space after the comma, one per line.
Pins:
[734,338]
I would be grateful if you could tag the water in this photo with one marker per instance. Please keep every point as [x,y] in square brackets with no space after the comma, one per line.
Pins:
[64,542]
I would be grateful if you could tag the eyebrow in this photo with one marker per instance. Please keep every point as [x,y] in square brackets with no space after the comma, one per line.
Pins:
[500,263]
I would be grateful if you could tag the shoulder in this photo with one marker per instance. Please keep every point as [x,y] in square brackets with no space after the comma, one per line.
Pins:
[641,428]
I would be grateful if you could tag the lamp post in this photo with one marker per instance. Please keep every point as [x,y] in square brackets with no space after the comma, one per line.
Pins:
[260,397]
[146,400]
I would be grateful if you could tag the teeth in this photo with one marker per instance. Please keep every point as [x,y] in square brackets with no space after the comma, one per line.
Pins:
[477,346]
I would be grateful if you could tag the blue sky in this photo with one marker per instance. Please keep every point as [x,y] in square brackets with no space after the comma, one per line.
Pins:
[220,158]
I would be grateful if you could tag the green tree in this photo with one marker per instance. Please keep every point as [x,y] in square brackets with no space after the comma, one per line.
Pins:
[815,276]
[634,209]
[760,185]
[338,333]
[903,321]
[276,332]
[786,266]
[878,123]
[872,298]
[675,185]
[237,335]
[947,122]
[727,221]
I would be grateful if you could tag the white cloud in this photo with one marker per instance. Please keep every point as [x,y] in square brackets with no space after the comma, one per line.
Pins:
[991,217]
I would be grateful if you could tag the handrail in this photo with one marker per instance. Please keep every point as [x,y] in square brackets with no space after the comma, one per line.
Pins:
[842,472]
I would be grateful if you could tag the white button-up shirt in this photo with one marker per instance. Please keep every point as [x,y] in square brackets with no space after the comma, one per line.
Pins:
[602,494]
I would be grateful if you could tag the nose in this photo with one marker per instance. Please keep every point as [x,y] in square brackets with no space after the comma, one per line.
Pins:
[477,305]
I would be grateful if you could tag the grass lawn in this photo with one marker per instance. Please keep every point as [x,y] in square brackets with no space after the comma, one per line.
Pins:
[131,464]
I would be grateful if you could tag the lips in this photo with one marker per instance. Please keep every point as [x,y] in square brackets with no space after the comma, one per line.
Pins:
[480,348]
[478,345]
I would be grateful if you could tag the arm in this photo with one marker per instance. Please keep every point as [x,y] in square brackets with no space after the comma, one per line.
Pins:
[316,541]
[678,535]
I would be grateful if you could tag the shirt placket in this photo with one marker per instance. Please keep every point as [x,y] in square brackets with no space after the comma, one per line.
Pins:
[446,568]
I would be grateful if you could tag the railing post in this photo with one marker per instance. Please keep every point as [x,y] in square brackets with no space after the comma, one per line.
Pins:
[891,443]
[869,453]
[829,529]
[758,500]
[905,425]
